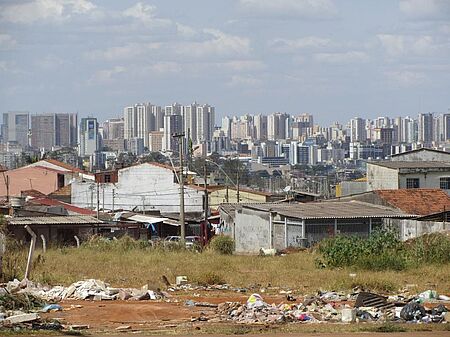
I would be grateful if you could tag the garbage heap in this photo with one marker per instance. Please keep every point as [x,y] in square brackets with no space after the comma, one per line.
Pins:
[333,307]
[82,290]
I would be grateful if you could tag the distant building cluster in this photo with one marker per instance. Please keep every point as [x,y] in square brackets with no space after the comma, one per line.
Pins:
[273,140]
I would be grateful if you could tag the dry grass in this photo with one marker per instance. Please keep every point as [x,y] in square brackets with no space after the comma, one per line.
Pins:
[136,267]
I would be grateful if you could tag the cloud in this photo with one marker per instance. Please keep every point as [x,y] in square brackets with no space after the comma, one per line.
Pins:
[29,12]
[313,9]
[129,51]
[399,45]
[244,81]
[106,76]
[244,65]
[7,42]
[425,9]
[405,78]
[163,68]
[287,45]
[344,57]
[216,43]
[146,14]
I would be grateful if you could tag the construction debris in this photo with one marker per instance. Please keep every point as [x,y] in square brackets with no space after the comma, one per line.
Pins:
[330,307]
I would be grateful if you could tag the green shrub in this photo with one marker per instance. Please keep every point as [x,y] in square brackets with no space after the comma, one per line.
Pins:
[222,244]
[381,251]
[429,248]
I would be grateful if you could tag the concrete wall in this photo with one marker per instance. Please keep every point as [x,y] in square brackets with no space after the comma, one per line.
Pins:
[409,229]
[145,185]
[427,180]
[381,178]
[219,197]
[351,187]
[423,155]
[252,231]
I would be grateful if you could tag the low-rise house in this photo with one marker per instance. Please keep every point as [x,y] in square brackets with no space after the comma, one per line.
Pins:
[279,226]
[422,154]
[59,230]
[408,174]
[45,176]
[425,204]
[142,187]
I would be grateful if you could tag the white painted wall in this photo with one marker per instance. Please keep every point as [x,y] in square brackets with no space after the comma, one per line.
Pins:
[252,232]
[381,178]
[146,184]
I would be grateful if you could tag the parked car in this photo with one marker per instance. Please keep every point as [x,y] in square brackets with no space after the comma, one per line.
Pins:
[193,241]
[170,240]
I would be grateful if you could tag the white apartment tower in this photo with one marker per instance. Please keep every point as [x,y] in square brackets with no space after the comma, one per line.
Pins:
[89,141]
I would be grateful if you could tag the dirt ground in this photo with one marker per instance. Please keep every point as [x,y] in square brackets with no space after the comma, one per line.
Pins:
[141,318]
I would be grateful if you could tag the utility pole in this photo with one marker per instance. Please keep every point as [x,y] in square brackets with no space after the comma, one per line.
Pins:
[103,197]
[206,195]
[113,199]
[143,204]
[98,201]
[91,187]
[237,182]
[180,137]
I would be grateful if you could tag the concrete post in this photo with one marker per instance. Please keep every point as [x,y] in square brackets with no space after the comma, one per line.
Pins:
[77,241]
[30,252]
[44,243]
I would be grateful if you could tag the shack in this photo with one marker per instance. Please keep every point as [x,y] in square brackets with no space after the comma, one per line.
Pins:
[300,225]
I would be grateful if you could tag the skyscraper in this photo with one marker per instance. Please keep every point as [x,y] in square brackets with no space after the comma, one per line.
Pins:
[205,123]
[276,126]
[425,128]
[53,129]
[15,127]
[260,123]
[139,120]
[358,131]
[89,140]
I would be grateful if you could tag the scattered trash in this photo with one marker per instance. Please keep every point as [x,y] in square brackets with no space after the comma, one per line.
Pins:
[348,315]
[179,280]
[412,311]
[51,307]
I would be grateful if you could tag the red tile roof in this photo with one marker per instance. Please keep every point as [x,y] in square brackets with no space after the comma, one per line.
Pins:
[419,201]
[69,207]
[64,165]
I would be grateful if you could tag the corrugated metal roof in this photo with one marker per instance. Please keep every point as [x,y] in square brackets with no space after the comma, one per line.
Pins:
[331,210]
[146,218]
[54,220]
[412,164]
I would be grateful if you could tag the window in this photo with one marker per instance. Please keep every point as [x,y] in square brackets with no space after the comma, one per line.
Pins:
[412,182]
[445,183]
[107,178]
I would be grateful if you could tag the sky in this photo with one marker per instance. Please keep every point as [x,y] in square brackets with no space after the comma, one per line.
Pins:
[336,59]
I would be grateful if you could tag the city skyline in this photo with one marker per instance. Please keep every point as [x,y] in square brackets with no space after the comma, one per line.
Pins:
[329,58]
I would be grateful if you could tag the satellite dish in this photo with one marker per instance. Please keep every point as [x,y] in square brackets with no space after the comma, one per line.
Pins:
[287,189]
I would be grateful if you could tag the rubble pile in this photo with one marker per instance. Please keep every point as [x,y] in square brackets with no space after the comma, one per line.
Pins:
[334,307]
[82,290]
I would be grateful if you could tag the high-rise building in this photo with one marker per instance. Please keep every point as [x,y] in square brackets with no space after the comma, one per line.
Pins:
[66,129]
[89,140]
[155,141]
[113,129]
[276,126]
[53,129]
[260,124]
[425,128]
[189,113]
[173,124]
[43,131]
[358,131]
[139,120]
[16,125]
[205,123]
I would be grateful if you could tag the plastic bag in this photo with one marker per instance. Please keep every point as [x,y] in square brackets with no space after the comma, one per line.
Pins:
[412,311]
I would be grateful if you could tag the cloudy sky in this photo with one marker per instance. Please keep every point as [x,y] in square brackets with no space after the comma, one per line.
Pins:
[333,58]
